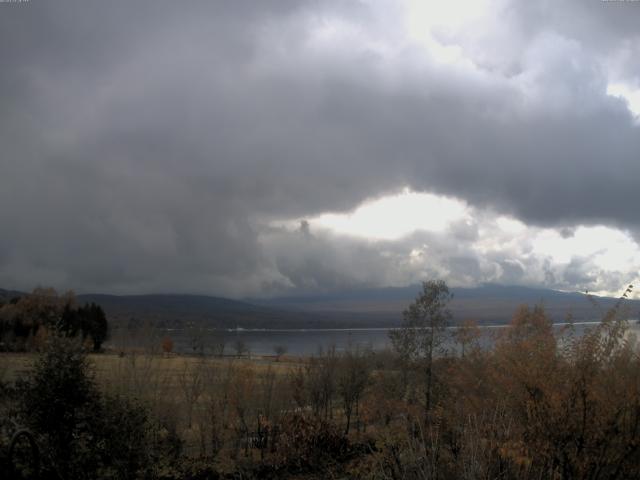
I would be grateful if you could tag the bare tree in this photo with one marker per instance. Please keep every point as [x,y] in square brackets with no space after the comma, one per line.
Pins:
[423,331]
[467,336]
[218,343]
[319,379]
[219,378]
[240,347]
[353,378]
[279,350]
[198,336]
[191,382]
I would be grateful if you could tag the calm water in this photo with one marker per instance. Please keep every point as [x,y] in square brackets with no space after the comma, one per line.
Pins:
[308,342]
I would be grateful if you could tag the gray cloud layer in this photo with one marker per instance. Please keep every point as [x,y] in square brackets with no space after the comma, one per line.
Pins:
[145,145]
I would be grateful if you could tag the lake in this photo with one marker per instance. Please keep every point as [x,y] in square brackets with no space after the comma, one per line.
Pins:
[309,341]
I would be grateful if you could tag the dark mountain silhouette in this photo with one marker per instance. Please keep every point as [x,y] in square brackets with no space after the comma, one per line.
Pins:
[7,295]
[180,310]
[487,304]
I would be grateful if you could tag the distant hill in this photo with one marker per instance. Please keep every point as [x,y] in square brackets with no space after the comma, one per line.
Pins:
[488,303]
[180,310]
[382,307]
[6,295]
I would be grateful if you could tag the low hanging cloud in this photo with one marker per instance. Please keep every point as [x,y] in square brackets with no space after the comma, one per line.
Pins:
[149,146]
[481,247]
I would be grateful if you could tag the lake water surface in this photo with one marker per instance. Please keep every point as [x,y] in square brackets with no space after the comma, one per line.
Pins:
[310,341]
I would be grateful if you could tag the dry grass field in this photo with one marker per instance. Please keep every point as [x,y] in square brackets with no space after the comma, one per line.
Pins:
[182,390]
[111,368]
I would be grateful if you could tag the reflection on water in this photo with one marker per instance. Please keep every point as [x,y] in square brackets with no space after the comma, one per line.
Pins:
[308,342]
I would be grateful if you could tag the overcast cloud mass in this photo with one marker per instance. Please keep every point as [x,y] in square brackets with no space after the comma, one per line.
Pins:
[156,146]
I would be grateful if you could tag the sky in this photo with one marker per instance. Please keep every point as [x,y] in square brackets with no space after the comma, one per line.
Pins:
[279,147]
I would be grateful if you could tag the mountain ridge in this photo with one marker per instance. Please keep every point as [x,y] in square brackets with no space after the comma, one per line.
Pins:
[382,307]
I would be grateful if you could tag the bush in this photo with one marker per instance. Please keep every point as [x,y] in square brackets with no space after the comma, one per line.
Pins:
[308,444]
[82,433]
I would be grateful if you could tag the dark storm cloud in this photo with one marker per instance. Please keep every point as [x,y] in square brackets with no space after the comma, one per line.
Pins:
[145,144]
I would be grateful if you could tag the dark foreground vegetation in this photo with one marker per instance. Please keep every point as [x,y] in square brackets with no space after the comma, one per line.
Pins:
[534,406]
